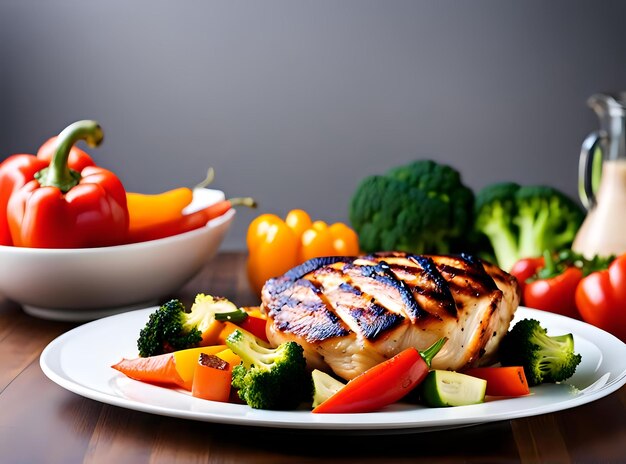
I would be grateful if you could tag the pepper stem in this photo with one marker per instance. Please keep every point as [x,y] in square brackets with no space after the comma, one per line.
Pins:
[243,201]
[58,174]
[429,353]
[210,175]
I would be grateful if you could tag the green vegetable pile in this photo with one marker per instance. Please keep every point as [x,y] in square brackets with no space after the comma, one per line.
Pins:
[425,208]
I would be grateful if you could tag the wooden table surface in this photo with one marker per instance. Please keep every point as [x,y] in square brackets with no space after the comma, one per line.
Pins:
[40,422]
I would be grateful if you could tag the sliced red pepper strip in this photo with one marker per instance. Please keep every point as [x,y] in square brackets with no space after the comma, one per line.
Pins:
[255,325]
[383,384]
[65,208]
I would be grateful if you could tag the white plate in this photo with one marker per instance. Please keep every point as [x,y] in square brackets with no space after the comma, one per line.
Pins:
[80,361]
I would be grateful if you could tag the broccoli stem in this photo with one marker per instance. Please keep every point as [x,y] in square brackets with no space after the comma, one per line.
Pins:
[504,246]
[533,232]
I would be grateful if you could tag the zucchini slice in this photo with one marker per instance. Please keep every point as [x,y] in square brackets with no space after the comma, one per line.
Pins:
[446,388]
[324,386]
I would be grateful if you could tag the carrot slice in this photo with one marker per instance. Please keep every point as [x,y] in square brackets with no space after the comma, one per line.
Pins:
[160,370]
[212,378]
[186,360]
[502,381]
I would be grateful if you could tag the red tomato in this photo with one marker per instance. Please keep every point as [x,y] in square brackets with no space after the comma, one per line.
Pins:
[601,298]
[379,386]
[524,269]
[502,381]
[555,294]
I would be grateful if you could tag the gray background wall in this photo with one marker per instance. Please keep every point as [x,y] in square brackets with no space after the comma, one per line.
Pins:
[293,102]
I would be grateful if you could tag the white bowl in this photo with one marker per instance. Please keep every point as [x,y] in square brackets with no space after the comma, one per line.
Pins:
[89,283]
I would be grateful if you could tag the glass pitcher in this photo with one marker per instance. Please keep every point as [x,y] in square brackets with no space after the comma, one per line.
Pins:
[602,180]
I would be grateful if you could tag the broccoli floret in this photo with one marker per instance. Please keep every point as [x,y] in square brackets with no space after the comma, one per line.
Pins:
[269,378]
[171,327]
[547,219]
[421,207]
[525,221]
[544,358]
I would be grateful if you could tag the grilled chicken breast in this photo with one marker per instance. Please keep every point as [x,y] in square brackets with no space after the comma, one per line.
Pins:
[351,313]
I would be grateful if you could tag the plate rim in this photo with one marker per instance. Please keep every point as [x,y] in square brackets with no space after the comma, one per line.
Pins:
[335,422]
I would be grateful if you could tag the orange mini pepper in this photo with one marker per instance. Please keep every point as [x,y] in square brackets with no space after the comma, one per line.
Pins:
[276,245]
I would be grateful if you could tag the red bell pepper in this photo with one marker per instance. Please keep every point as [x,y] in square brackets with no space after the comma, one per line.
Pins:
[64,208]
[383,384]
[18,169]
[601,298]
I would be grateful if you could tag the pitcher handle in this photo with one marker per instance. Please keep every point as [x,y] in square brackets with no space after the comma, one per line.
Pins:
[585,170]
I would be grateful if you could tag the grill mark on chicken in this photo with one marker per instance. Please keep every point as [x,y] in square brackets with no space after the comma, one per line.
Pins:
[478,271]
[371,318]
[298,308]
[312,265]
[383,273]
[359,309]
[441,291]
[466,275]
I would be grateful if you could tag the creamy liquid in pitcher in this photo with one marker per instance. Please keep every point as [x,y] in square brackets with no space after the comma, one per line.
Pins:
[604,230]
